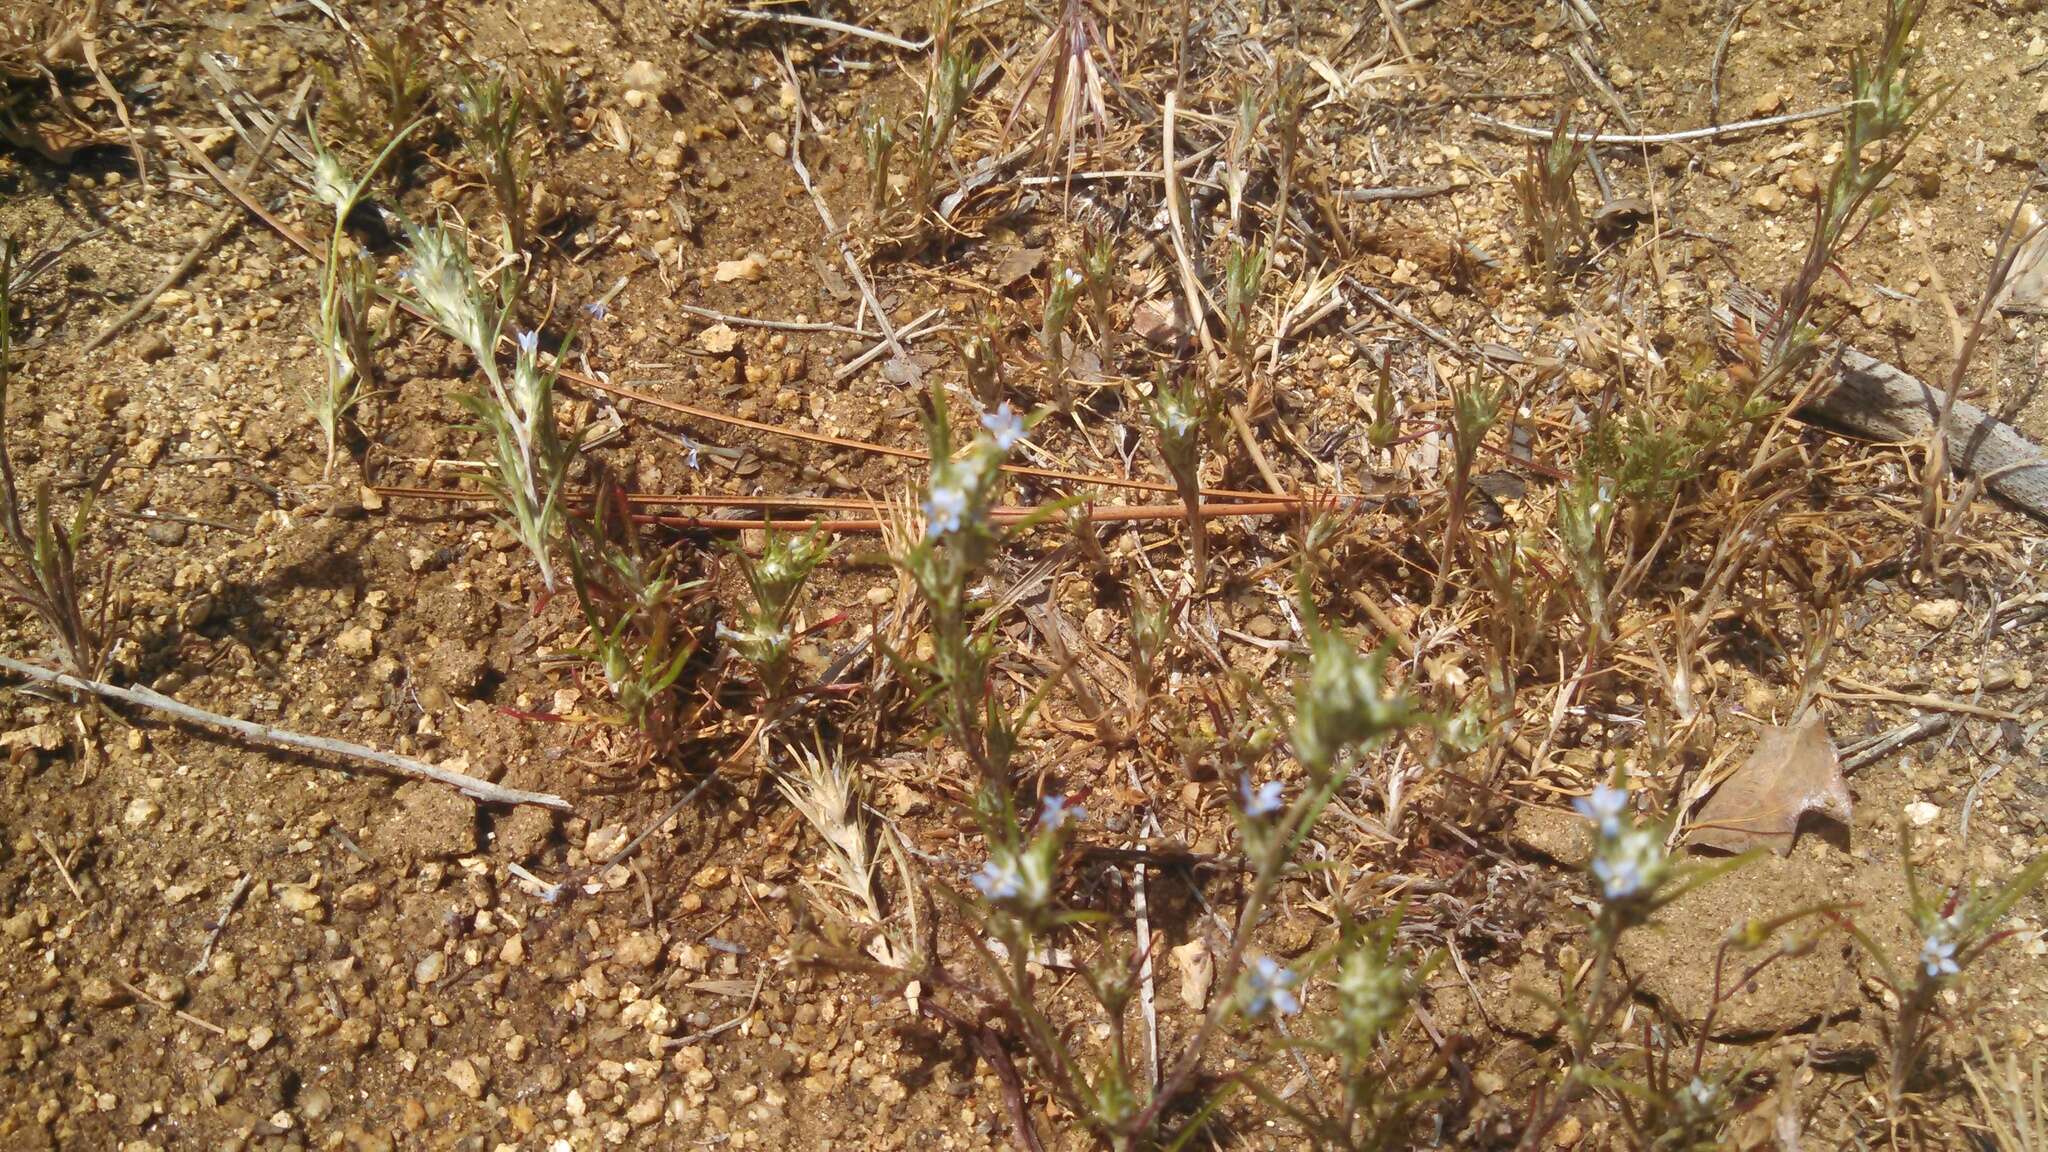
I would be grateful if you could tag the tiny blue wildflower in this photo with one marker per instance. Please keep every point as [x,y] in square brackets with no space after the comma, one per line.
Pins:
[943,510]
[1055,811]
[1629,865]
[1004,426]
[597,310]
[1699,1094]
[999,879]
[1263,800]
[1269,987]
[1938,952]
[529,343]
[1604,808]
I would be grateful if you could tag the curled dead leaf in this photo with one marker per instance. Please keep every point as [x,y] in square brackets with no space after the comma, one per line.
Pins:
[1794,772]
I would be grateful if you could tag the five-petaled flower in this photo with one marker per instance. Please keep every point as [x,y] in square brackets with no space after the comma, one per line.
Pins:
[529,343]
[1604,808]
[1055,811]
[1628,865]
[1000,879]
[1938,951]
[1269,987]
[1004,426]
[942,511]
[597,310]
[1263,800]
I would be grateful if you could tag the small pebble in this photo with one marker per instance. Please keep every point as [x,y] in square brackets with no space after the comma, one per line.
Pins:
[464,1076]
[429,968]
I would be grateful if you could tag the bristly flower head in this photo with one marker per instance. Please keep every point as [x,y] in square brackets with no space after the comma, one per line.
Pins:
[1268,987]
[1343,703]
[441,277]
[330,183]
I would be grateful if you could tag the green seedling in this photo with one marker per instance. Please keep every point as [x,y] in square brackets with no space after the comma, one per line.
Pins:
[43,571]
[348,288]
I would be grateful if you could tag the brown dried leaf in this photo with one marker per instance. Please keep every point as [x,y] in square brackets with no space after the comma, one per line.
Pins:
[1793,772]
[1016,264]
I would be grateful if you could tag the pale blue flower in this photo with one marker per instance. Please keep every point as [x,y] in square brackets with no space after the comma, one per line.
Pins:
[1004,426]
[1938,953]
[1604,808]
[1055,811]
[999,879]
[942,512]
[597,310]
[1263,800]
[529,343]
[1629,865]
[1269,987]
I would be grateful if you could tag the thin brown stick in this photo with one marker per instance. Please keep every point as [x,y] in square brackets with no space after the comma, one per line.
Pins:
[51,850]
[482,791]
[160,1006]
[1714,132]
[220,924]
[1720,60]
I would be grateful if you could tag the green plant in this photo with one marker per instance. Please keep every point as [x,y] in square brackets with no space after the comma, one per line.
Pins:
[957,540]
[552,92]
[1062,291]
[877,144]
[1549,198]
[1475,407]
[491,118]
[528,457]
[1342,712]
[1244,274]
[1289,101]
[1633,879]
[1237,149]
[1956,929]
[398,76]
[43,572]
[638,613]
[949,83]
[1184,413]
[348,287]
[1372,981]
[1151,631]
[1883,118]
[1585,516]
[776,579]
[1098,274]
